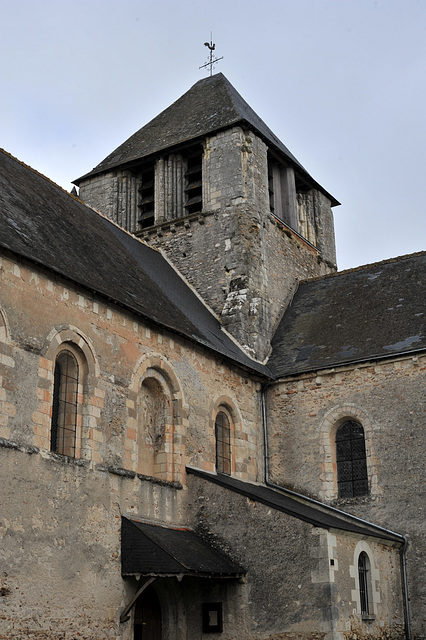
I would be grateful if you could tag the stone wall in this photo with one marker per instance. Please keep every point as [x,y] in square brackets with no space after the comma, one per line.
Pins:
[60,516]
[117,350]
[301,581]
[244,264]
[388,399]
[115,194]
[241,260]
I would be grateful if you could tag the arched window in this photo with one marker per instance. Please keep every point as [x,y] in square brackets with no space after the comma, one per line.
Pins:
[64,405]
[223,443]
[155,439]
[364,582]
[351,460]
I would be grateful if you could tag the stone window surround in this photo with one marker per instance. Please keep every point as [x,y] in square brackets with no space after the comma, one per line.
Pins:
[157,367]
[65,425]
[373,582]
[69,339]
[229,407]
[330,423]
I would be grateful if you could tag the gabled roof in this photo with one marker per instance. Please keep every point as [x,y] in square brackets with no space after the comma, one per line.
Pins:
[372,312]
[155,550]
[210,105]
[299,506]
[44,224]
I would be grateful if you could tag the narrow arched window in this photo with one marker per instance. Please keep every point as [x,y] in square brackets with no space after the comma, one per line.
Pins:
[223,443]
[364,582]
[64,405]
[351,460]
[155,440]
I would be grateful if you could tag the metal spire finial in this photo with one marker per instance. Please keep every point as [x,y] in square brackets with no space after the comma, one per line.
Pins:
[211,62]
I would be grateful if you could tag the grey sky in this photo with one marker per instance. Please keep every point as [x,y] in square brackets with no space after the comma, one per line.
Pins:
[341,82]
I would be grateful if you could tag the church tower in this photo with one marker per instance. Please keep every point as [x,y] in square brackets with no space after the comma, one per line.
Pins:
[209,184]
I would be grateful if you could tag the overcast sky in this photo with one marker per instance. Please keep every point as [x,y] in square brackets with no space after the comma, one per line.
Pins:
[341,82]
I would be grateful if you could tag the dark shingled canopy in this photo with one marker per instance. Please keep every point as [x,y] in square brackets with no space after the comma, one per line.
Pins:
[44,224]
[155,550]
[371,312]
[210,105]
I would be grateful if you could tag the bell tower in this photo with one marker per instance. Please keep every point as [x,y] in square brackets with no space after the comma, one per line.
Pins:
[209,184]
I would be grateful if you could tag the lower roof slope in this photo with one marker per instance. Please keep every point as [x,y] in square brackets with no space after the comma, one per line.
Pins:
[367,313]
[298,506]
[42,223]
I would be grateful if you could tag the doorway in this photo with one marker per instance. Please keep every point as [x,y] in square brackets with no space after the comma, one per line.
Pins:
[147,619]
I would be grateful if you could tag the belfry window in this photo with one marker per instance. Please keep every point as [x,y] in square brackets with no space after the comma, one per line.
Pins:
[194,181]
[364,582]
[64,405]
[223,443]
[282,193]
[146,197]
[351,460]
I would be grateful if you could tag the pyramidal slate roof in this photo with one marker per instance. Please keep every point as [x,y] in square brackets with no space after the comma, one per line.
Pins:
[369,313]
[46,225]
[210,105]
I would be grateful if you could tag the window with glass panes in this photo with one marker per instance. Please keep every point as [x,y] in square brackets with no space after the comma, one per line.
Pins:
[223,443]
[351,460]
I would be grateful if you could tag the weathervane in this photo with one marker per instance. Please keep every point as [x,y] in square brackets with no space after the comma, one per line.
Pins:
[211,62]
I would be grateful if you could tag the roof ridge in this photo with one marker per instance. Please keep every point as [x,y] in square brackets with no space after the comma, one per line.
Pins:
[363,267]
[41,175]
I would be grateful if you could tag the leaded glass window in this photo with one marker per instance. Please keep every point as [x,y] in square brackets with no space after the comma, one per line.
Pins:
[223,443]
[64,405]
[351,460]
[363,573]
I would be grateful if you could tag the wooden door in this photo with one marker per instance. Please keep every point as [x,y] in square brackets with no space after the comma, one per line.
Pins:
[147,620]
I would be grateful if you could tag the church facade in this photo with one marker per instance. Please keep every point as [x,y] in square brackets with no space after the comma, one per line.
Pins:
[206,430]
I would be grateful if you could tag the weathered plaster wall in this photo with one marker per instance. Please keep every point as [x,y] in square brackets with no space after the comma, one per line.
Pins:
[292,589]
[44,313]
[60,545]
[60,517]
[388,399]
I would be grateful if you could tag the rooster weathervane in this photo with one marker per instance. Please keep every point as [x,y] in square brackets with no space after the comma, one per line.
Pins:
[211,62]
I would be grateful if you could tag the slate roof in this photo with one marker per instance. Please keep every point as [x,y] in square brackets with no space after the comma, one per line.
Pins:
[43,223]
[367,313]
[151,549]
[298,506]
[210,105]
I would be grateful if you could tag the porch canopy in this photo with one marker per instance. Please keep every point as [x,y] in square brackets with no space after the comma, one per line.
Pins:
[153,550]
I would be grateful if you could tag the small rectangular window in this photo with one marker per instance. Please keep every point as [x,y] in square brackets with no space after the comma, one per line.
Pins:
[212,617]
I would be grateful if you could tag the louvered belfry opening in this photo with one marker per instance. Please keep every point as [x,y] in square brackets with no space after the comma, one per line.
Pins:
[351,460]
[194,181]
[146,197]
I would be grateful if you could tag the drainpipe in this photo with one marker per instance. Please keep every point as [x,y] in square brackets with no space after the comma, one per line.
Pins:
[403,550]
[405,589]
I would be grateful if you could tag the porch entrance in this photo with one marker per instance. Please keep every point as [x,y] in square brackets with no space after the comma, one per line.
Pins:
[147,619]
